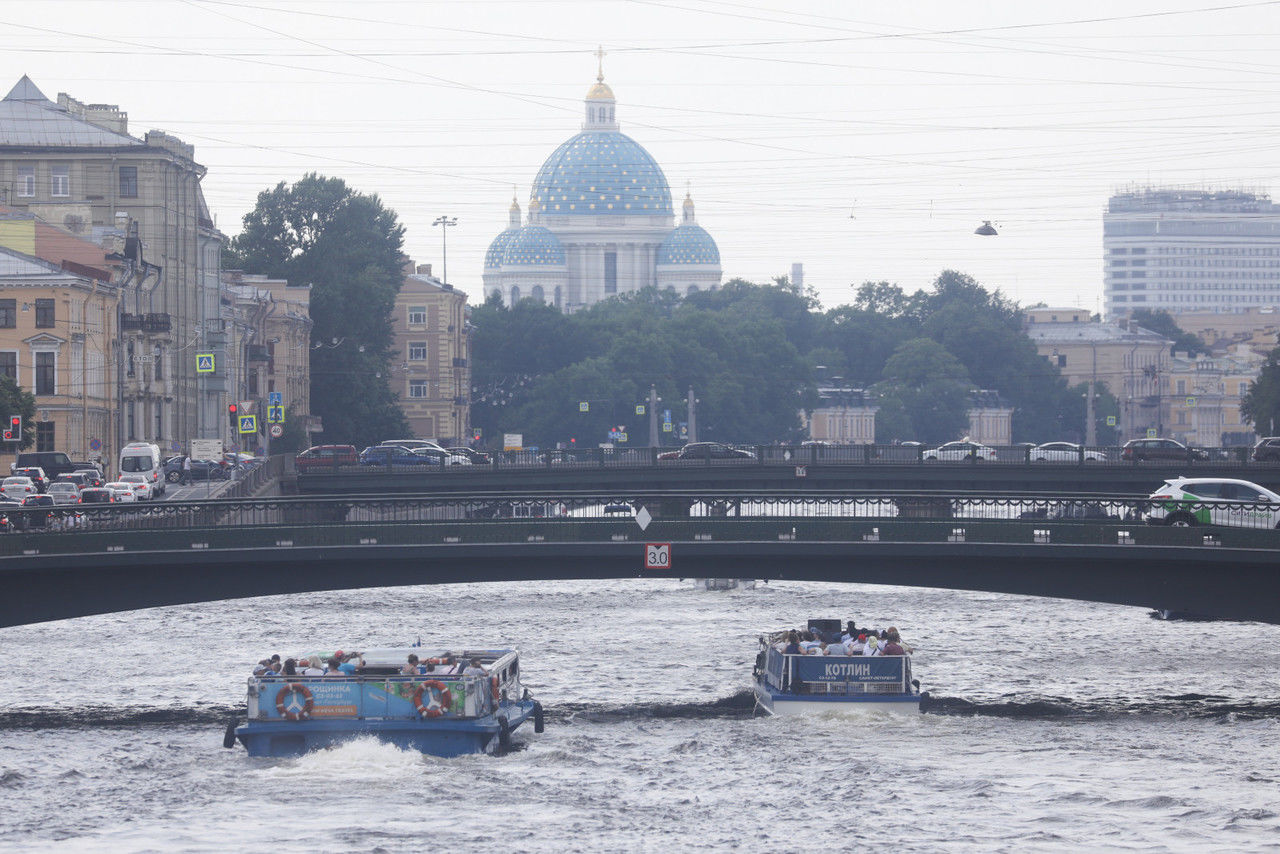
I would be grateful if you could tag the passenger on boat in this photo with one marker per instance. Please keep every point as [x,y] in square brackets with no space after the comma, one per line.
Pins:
[872,647]
[348,663]
[474,669]
[896,640]
[311,667]
[290,667]
[808,643]
[263,667]
[411,668]
[334,668]
[446,666]
[793,645]
[840,648]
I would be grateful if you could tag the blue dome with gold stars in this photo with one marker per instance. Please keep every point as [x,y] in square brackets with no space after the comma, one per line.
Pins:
[602,172]
[493,255]
[689,244]
[533,246]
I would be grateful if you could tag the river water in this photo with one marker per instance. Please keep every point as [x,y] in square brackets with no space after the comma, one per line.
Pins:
[1051,725]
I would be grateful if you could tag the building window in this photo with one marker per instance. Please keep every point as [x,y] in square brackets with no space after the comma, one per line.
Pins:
[44,314]
[9,364]
[417,315]
[129,182]
[417,351]
[417,389]
[251,383]
[1062,360]
[8,313]
[60,181]
[44,435]
[26,181]
[45,373]
[611,272]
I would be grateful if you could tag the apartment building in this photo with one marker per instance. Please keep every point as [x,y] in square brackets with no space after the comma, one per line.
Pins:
[431,367]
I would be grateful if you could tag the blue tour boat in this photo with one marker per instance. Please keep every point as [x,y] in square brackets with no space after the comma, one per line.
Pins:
[442,712]
[842,684]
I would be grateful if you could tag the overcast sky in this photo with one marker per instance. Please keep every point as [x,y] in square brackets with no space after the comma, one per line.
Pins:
[864,140]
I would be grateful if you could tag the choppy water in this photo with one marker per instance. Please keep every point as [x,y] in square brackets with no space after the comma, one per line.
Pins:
[1052,725]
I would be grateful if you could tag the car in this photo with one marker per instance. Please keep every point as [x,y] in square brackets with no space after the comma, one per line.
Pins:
[97,495]
[37,475]
[201,470]
[64,492]
[957,451]
[37,512]
[1267,450]
[437,457]
[412,444]
[1183,502]
[713,451]
[477,458]
[326,457]
[669,455]
[53,463]
[92,476]
[1064,452]
[556,457]
[142,486]
[80,481]
[389,455]
[123,491]
[18,487]
[1160,449]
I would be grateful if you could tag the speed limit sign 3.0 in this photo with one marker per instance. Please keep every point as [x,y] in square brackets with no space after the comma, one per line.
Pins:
[657,555]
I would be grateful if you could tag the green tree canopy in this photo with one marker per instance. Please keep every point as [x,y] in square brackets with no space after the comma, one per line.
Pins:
[1162,323]
[1260,405]
[926,389]
[347,247]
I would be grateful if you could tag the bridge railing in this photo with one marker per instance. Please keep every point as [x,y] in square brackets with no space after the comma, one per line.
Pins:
[819,455]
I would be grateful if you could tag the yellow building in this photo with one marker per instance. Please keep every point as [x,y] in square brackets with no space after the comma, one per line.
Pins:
[1202,396]
[431,353]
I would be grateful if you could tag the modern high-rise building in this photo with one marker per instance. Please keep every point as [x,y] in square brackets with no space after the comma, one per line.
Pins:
[1185,251]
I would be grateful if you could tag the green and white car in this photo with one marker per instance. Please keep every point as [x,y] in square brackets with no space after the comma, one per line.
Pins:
[1186,501]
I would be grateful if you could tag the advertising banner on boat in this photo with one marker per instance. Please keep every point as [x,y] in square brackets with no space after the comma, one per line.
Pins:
[333,698]
[822,668]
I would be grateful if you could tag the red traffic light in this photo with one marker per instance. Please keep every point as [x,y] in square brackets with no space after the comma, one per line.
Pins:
[231,408]
[8,435]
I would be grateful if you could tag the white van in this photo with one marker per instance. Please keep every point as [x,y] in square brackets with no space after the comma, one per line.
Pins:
[143,458]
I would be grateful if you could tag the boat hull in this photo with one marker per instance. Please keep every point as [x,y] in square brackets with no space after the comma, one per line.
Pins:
[778,703]
[445,737]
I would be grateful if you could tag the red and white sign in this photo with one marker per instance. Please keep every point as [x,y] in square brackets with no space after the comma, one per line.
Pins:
[657,555]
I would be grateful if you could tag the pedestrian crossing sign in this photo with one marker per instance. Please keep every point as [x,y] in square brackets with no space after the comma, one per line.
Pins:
[275,414]
[248,424]
[204,363]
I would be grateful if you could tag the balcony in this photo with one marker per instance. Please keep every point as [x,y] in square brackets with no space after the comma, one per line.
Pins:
[146,323]
[256,353]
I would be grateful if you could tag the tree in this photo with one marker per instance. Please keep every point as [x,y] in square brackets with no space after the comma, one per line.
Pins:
[1162,323]
[1260,405]
[347,247]
[15,401]
[930,388]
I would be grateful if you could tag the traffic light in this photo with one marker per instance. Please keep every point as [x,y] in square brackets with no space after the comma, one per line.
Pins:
[14,432]
[232,410]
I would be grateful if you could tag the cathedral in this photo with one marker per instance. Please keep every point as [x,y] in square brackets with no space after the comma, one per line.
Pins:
[600,223]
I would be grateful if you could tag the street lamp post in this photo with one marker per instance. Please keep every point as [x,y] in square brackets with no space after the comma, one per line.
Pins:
[444,222]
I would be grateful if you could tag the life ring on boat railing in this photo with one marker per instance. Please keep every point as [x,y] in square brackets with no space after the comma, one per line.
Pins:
[493,685]
[446,699]
[292,712]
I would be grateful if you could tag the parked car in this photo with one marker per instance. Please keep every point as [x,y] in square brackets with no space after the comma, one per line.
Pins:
[389,455]
[53,463]
[142,486]
[1267,450]
[37,475]
[713,451]
[1184,502]
[1160,449]
[97,495]
[957,451]
[123,491]
[1064,452]
[18,487]
[326,457]
[92,476]
[478,458]
[64,492]
[437,457]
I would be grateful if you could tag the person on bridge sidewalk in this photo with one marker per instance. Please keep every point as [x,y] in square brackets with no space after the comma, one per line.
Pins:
[186,470]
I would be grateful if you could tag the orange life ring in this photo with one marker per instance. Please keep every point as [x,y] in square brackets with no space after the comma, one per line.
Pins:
[446,699]
[291,689]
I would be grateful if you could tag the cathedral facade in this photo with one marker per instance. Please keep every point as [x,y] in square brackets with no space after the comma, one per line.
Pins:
[600,223]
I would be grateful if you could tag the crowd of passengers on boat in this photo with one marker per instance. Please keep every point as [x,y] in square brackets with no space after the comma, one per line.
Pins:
[353,664]
[852,641]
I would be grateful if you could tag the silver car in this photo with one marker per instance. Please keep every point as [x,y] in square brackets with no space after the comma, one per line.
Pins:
[64,493]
